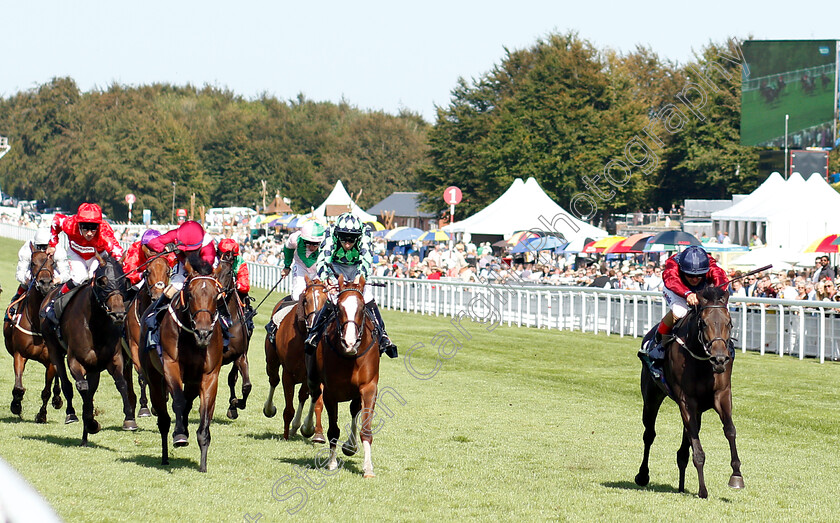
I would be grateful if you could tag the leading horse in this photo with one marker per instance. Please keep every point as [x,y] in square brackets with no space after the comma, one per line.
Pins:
[347,363]
[698,372]
[287,350]
[190,360]
[23,338]
[91,332]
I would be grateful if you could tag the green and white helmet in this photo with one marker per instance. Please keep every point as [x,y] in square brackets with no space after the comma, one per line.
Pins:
[348,226]
[312,232]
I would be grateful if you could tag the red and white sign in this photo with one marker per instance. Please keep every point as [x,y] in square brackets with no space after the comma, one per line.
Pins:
[130,199]
[452,195]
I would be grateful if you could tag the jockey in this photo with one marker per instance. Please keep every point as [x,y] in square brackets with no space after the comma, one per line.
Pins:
[23,274]
[243,282]
[87,235]
[135,257]
[189,238]
[347,250]
[686,274]
[300,254]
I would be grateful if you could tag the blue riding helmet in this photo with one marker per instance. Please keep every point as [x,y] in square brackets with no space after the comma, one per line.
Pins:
[694,261]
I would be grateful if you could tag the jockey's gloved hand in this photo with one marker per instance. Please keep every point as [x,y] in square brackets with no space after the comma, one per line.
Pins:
[170,247]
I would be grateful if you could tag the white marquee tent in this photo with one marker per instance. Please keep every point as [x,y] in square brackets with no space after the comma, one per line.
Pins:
[525,206]
[339,197]
[788,214]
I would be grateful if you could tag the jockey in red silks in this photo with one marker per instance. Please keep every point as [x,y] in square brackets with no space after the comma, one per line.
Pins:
[136,257]
[87,235]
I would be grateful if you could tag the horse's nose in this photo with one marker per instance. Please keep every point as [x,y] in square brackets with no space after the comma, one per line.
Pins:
[719,363]
[118,317]
[202,336]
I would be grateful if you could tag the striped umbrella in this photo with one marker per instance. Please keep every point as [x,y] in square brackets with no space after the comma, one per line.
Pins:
[825,245]
[435,235]
[601,245]
[632,244]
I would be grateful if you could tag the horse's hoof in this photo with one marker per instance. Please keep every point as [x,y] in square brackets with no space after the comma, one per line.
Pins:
[129,424]
[71,418]
[232,413]
[736,482]
[270,412]
[180,440]
[369,475]
[307,432]
[93,427]
[642,480]
[57,402]
[41,417]
[317,438]
[154,412]
[349,449]
[144,412]
[16,407]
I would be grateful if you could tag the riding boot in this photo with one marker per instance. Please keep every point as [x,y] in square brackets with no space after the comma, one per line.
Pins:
[152,323]
[249,312]
[321,320]
[385,344]
[52,312]
[312,376]
[271,331]
[12,309]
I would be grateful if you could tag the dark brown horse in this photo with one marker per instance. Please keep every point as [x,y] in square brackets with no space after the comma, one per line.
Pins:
[155,279]
[23,335]
[287,350]
[347,363]
[191,344]
[698,372]
[239,335]
[91,333]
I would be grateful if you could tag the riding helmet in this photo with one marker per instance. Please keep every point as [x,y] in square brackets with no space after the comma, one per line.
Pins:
[228,245]
[148,236]
[349,226]
[693,261]
[312,232]
[190,236]
[89,213]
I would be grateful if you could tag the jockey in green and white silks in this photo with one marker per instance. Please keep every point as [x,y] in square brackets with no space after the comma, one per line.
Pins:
[347,250]
[300,254]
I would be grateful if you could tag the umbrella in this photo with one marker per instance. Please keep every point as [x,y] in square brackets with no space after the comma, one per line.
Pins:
[502,244]
[519,235]
[825,245]
[633,244]
[402,234]
[670,240]
[376,225]
[436,235]
[602,244]
[538,244]
[577,245]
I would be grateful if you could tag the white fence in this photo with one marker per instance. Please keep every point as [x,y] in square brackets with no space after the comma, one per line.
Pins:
[798,328]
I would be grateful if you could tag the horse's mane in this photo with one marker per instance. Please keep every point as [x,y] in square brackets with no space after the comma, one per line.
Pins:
[201,267]
[713,293]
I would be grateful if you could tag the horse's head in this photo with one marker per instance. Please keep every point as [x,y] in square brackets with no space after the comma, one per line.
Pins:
[156,273]
[224,271]
[42,269]
[714,326]
[200,295]
[109,288]
[350,314]
[312,299]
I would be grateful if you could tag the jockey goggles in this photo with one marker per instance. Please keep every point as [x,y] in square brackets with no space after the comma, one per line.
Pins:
[344,237]
[88,226]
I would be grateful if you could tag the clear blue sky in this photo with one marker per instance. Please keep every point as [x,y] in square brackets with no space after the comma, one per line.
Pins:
[380,55]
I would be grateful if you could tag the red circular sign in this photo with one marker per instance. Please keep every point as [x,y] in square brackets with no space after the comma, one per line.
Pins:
[452,195]
[130,199]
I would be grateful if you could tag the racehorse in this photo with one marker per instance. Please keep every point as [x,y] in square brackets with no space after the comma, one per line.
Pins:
[190,360]
[347,363]
[239,336]
[23,336]
[698,372]
[287,350]
[91,330]
[155,279]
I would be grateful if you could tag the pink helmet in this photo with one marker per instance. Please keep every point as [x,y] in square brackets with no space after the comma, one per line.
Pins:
[190,236]
[148,236]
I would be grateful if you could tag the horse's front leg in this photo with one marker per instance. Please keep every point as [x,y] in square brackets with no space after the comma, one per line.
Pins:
[116,367]
[691,422]
[209,388]
[175,387]
[127,375]
[49,374]
[232,377]
[18,390]
[351,445]
[652,397]
[723,406]
[242,364]
[333,432]
[368,405]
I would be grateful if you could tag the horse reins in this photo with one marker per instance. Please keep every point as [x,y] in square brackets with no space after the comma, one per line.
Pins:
[190,314]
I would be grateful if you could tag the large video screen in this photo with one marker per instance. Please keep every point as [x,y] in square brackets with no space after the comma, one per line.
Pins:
[793,77]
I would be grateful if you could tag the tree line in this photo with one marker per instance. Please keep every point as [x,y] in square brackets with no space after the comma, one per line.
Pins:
[591,125]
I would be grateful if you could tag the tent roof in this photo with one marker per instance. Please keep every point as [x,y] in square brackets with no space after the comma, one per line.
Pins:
[339,197]
[522,207]
[749,208]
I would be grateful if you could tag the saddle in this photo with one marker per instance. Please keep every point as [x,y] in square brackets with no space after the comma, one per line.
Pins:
[277,317]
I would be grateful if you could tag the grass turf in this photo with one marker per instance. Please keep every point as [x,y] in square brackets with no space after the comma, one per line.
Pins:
[520,424]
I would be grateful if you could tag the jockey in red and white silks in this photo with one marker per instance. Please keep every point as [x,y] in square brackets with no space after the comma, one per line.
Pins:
[87,235]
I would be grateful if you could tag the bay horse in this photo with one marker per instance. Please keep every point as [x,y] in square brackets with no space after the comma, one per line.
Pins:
[91,333]
[347,363]
[239,336]
[190,360]
[23,336]
[287,350]
[698,372]
[155,279]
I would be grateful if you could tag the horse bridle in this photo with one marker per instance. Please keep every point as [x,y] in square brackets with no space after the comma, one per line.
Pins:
[707,347]
[314,312]
[191,315]
[342,326]
[41,269]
